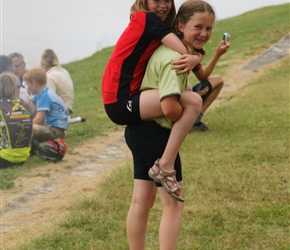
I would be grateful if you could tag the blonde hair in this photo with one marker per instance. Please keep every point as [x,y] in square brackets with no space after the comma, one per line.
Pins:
[8,85]
[185,12]
[141,5]
[48,59]
[35,74]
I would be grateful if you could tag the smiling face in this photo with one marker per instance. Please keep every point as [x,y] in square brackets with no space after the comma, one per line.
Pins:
[197,31]
[160,8]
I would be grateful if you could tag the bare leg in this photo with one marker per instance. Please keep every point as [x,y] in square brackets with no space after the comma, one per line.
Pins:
[150,108]
[171,221]
[150,104]
[217,84]
[35,129]
[144,194]
[191,103]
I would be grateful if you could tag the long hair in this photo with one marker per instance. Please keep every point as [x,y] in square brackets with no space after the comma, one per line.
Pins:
[48,59]
[141,5]
[185,12]
[8,84]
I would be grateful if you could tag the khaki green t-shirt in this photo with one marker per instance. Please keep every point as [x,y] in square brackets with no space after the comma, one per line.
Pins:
[159,75]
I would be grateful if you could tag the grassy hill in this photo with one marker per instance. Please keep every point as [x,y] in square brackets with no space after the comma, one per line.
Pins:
[235,177]
[251,33]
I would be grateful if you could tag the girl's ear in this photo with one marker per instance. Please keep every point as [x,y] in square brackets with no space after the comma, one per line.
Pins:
[180,27]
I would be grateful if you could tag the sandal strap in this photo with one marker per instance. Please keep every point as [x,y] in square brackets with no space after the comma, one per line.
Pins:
[161,176]
[161,171]
[175,186]
[167,176]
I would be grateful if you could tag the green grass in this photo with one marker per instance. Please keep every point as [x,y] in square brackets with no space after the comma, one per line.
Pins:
[235,177]
[251,33]
[87,73]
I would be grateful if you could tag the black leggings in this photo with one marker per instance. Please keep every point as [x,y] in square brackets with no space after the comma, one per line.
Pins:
[147,141]
[126,111]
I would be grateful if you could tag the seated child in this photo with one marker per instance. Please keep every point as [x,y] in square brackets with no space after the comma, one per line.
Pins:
[15,123]
[51,118]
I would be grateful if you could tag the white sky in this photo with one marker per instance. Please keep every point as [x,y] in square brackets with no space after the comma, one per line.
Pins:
[229,8]
[76,29]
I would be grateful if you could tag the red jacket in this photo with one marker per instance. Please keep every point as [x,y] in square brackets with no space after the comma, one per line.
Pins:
[126,67]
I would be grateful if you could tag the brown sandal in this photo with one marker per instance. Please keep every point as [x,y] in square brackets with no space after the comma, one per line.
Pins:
[162,177]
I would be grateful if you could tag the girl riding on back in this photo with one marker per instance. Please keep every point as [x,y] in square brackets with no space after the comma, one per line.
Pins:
[149,26]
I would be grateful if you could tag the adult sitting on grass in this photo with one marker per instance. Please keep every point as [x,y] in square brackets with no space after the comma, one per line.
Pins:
[58,78]
[19,66]
[8,66]
[15,123]
[51,119]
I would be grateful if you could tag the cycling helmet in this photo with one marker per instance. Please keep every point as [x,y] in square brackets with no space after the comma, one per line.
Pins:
[53,150]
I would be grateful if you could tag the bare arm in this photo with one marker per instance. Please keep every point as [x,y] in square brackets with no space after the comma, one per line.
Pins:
[187,61]
[203,73]
[39,117]
[171,107]
[182,63]
[173,42]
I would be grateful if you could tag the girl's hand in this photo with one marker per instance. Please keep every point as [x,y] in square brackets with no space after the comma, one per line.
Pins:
[222,48]
[185,63]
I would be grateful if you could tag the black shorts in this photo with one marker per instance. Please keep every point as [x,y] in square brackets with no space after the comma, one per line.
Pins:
[203,88]
[126,111]
[147,141]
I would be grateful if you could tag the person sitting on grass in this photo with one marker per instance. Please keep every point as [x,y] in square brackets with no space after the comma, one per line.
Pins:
[58,78]
[210,86]
[60,81]
[8,66]
[19,68]
[51,118]
[15,123]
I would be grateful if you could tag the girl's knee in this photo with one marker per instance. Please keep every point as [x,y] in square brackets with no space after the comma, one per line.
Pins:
[191,99]
[144,201]
[216,81]
[196,101]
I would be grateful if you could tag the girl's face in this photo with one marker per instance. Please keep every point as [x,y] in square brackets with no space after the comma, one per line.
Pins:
[197,31]
[160,8]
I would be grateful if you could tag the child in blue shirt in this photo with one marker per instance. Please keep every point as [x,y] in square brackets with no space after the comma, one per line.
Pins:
[51,119]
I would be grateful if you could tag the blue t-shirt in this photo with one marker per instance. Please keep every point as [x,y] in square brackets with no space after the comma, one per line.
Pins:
[56,114]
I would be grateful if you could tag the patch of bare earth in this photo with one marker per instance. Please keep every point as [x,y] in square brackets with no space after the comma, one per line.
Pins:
[40,200]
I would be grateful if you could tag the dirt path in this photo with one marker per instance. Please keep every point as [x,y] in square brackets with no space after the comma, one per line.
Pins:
[43,197]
